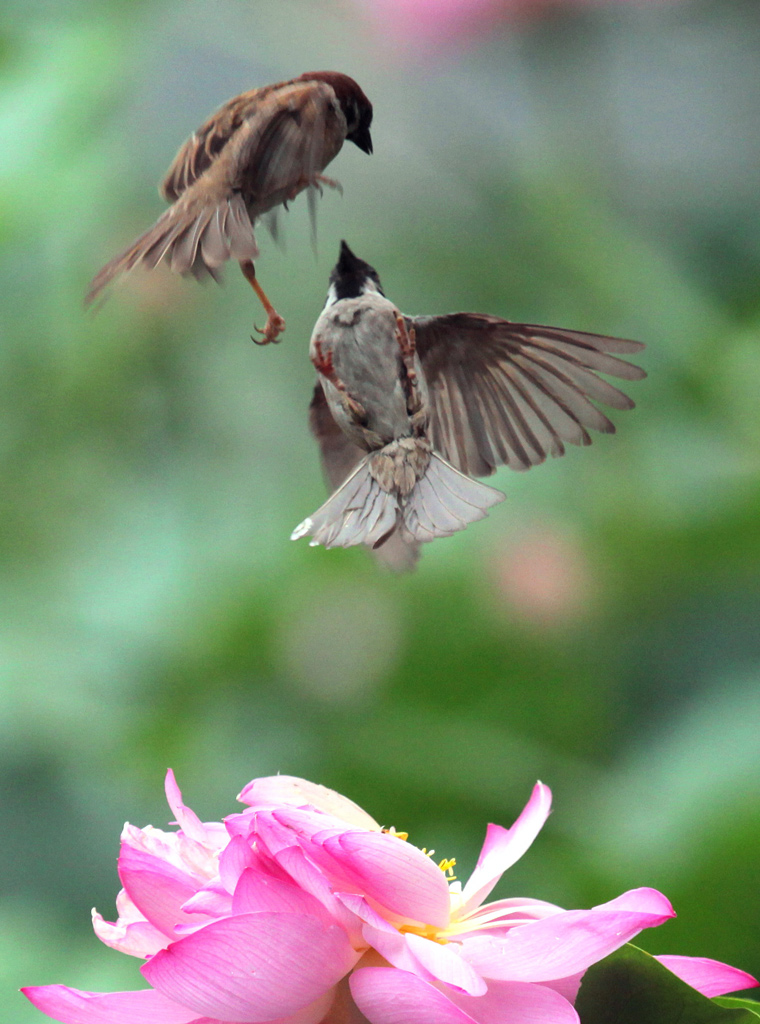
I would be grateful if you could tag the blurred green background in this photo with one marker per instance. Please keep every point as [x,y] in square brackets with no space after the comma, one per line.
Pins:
[593,166]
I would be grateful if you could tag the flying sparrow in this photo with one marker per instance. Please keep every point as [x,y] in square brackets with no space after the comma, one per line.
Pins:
[256,152]
[407,409]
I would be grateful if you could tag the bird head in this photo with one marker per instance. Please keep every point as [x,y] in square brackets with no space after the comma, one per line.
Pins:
[352,277]
[356,108]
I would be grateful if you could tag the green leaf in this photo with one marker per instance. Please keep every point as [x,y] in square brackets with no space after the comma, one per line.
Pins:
[732,1002]
[631,987]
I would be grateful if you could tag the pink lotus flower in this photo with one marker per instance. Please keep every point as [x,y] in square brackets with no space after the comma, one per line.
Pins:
[302,909]
[413,21]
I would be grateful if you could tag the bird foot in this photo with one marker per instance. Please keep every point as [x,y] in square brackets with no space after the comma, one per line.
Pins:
[319,180]
[275,325]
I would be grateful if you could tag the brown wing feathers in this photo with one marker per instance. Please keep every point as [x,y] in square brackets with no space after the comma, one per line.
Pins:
[256,151]
[511,394]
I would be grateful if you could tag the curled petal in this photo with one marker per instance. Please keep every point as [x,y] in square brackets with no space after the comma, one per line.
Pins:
[253,967]
[505,846]
[73,1006]
[137,938]
[287,789]
[386,995]
[187,820]
[213,901]
[710,977]
[395,874]
[566,943]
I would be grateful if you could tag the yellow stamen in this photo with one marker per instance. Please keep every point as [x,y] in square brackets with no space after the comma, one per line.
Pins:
[399,835]
[447,867]
[427,931]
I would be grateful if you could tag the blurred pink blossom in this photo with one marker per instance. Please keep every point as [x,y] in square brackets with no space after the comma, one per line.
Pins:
[435,20]
[544,578]
[302,909]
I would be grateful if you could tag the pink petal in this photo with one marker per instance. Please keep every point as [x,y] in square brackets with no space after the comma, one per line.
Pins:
[253,967]
[309,825]
[566,943]
[213,901]
[72,1006]
[256,893]
[307,877]
[395,874]
[137,938]
[710,977]
[518,906]
[386,995]
[567,987]
[383,937]
[158,889]
[287,789]
[272,835]
[446,964]
[314,1013]
[516,1002]
[504,846]
[187,820]
[233,860]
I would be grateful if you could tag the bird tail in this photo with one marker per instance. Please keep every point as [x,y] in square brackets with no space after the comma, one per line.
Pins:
[194,236]
[440,502]
[445,501]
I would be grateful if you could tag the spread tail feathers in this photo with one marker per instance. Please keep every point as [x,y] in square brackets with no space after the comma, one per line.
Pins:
[442,502]
[193,235]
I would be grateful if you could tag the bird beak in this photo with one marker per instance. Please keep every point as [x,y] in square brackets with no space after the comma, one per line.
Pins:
[361,138]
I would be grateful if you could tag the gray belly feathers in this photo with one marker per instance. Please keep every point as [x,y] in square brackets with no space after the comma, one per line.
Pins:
[361,336]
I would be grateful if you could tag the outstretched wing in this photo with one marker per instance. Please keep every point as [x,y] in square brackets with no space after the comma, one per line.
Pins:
[510,394]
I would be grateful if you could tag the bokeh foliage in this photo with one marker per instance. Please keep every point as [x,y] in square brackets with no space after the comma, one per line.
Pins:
[594,168]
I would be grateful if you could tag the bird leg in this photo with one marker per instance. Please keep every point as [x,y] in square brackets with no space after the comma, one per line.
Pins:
[323,363]
[275,325]
[407,343]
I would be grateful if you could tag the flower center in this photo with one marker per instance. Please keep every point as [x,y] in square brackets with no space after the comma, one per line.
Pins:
[429,931]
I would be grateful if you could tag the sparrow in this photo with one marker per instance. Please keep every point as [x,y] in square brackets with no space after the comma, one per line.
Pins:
[257,152]
[406,410]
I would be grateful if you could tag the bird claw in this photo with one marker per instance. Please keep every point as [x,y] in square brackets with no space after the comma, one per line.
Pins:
[320,180]
[275,325]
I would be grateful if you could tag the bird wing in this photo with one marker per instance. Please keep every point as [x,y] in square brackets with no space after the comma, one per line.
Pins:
[291,137]
[262,140]
[205,145]
[338,454]
[510,394]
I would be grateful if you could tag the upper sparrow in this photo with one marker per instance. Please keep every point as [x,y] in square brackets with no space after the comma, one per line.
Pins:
[257,151]
[405,409]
